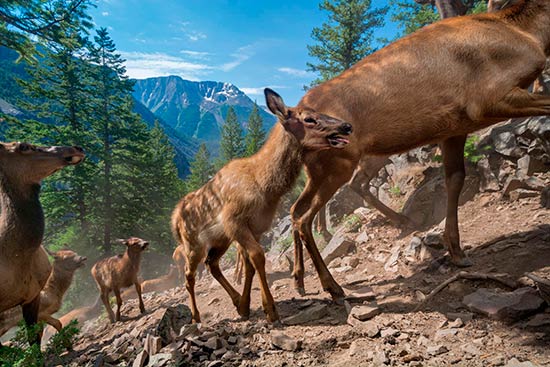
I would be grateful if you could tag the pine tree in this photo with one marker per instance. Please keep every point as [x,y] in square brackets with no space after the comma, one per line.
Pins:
[201,170]
[255,135]
[231,144]
[346,38]
[43,20]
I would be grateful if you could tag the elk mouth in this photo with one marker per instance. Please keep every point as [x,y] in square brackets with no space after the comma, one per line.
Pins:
[82,261]
[73,160]
[337,141]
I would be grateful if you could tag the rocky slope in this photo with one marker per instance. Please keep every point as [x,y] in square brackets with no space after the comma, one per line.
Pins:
[488,315]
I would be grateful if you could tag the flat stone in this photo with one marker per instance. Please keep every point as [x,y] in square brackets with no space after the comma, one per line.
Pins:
[312,313]
[285,342]
[436,350]
[362,237]
[337,247]
[367,328]
[504,305]
[519,194]
[153,344]
[433,240]
[389,332]
[364,312]
[445,333]
[361,295]
[464,316]
[514,362]
[379,358]
[457,323]
[541,319]
[172,321]
[141,359]
[186,330]
[160,359]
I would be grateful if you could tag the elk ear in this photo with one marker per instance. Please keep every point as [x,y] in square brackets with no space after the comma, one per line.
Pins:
[275,103]
[121,241]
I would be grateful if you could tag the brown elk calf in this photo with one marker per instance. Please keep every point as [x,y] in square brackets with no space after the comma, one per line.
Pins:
[24,265]
[239,202]
[66,262]
[120,271]
[160,284]
[436,85]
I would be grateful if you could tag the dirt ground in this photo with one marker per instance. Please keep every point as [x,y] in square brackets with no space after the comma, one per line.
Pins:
[501,237]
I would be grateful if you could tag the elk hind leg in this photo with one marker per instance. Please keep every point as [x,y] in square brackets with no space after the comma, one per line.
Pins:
[213,264]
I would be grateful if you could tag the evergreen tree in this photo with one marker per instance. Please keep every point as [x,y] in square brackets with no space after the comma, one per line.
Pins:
[255,135]
[201,170]
[45,20]
[346,38]
[231,144]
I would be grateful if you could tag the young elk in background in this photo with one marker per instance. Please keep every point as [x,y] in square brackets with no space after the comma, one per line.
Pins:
[65,263]
[24,265]
[239,202]
[120,271]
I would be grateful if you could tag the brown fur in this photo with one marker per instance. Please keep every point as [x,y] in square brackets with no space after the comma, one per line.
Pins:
[24,265]
[81,315]
[239,203]
[436,85]
[160,284]
[66,262]
[118,272]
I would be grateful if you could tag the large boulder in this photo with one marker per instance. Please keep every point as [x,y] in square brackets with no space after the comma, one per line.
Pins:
[343,203]
[338,246]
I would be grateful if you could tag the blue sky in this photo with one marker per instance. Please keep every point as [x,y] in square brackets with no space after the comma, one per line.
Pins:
[252,44]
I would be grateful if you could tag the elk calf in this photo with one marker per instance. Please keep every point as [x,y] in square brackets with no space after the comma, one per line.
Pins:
[163,283]
[239,202]
[66,262]
[120,271]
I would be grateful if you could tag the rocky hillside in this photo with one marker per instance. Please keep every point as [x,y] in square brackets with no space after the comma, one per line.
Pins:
[406,305]
[196,109]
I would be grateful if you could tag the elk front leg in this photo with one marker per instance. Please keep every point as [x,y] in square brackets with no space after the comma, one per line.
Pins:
[118,303]
[105,300]
[192,259]
[453,161]
[321,223]
[137,284]
[30,315]
[257,257]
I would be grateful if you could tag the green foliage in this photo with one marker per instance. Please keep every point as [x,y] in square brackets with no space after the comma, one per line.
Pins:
[346,38]
[411,16]
[471,153]
[352,222]
[255,135]
[20,354]
[46,21]
[231,144]
[201,170]
[395,191]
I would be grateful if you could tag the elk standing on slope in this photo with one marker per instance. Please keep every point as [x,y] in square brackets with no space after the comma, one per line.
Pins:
[120,271]
[436,85]
[24,265]
[65,263]
[239,202]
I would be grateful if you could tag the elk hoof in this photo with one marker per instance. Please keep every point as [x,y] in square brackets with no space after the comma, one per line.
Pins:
[301,291]
[462,262]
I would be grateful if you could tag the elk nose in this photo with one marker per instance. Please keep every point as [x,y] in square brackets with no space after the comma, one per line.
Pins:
[346,128]
[79,149]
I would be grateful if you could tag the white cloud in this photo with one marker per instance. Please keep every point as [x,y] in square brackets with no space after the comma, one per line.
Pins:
[142,65]
[195,36]
[259,91]
[241,55]
[105,13]
[196,54]
[295,72]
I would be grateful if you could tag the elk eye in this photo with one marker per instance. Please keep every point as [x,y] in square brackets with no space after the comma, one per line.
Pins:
[24,147]
[310,120]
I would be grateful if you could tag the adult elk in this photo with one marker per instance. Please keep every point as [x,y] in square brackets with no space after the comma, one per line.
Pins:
[239,202]
[436,85]
[24,265]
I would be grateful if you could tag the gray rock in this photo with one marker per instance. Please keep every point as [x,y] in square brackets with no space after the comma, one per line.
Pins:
[463,316]
[171,323]
[519,194]
[445,333]
[186,330]
[505,143]
[434,240]
[285,342]
[362,237]
[504,305]
[159,360]
[545,198]
[514,362]
[527,166]
[213,343]
[541,319]
[488,180]
[379,358]
[389,332]
[309,314]
[436,350]
[364,312]
[337,247]
[343,203]
[361,295]
[153,344]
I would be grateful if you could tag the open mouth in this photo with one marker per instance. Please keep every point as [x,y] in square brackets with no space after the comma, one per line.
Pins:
[144,245]
[337,141]
[73,159]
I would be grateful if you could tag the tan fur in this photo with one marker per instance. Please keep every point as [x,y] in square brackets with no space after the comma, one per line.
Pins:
[66,262]
[160,284]
[239,202]
[24,265]
[436,85]
[118,272]
[80,314]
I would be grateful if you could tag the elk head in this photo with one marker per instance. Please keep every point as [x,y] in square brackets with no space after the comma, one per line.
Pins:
[314,130]
[68,260]
[496,5]
[134,244]
[29,164]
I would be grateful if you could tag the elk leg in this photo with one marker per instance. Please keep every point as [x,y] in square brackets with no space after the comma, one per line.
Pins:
[192,260]
[244,307]
[520,103]
[212,262]
[30,315]
[360,183]
[238,274]
[321,223]
[257,257]
[137,284]
[118,303]
[453,161]
[51,321]
[315,195]
[105,300]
